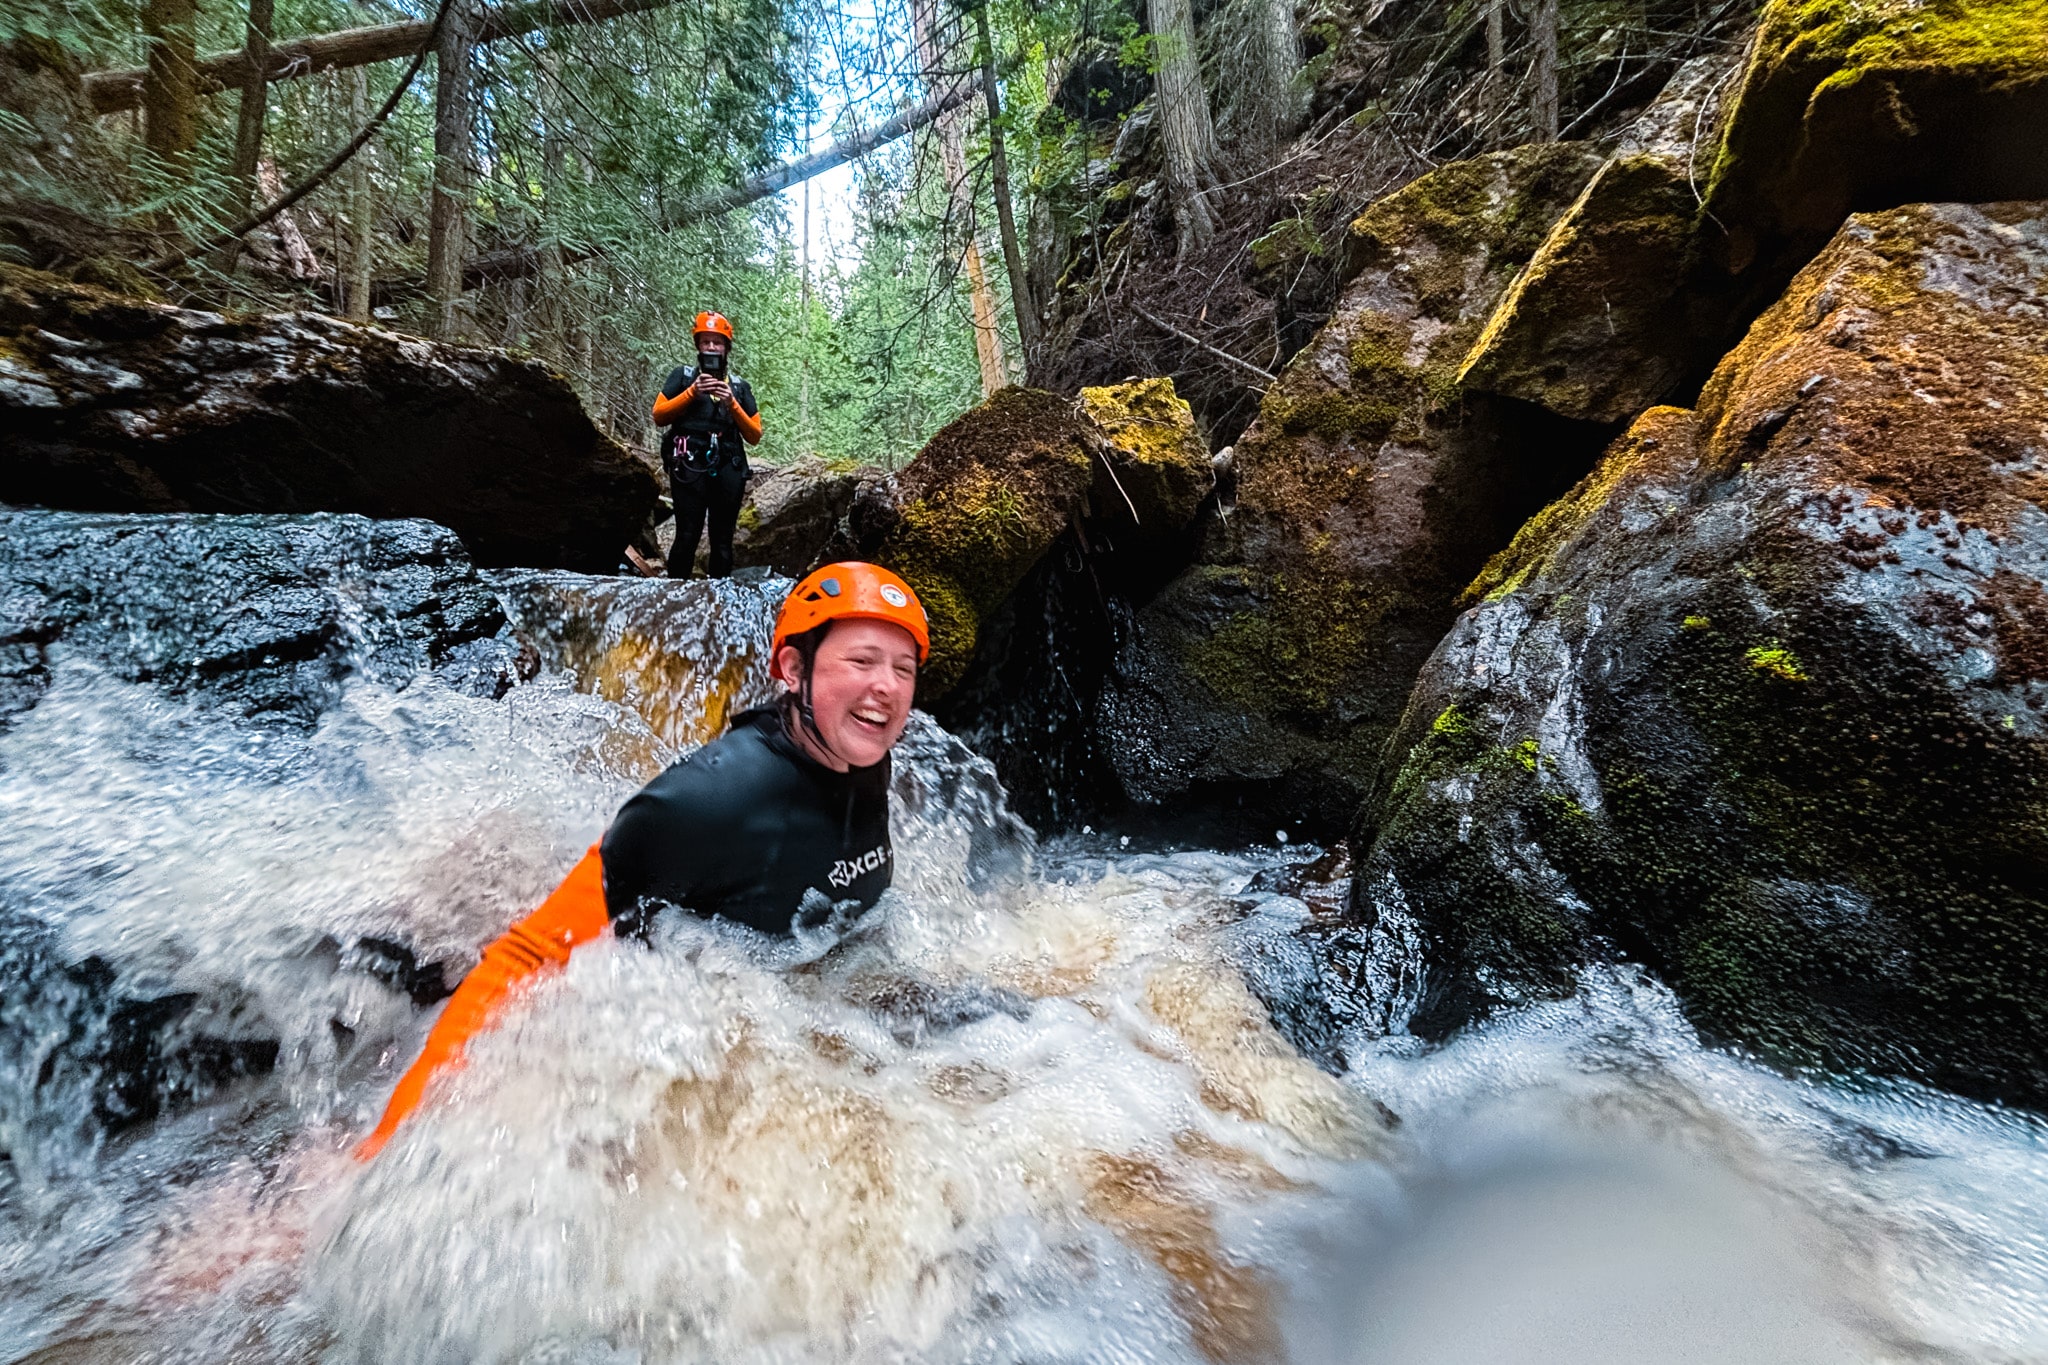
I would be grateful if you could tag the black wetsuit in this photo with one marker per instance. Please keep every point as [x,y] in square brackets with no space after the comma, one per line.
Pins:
[707,472]
[743,828]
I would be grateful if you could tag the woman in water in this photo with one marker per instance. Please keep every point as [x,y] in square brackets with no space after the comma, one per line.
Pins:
[778,823]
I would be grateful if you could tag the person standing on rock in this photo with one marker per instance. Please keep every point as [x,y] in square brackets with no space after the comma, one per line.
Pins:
[781,823]
[711,419]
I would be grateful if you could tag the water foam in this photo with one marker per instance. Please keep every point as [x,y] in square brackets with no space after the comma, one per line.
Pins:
[1035,1106]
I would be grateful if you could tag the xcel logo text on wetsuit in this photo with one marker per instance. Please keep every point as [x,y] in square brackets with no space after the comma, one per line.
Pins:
[845,870]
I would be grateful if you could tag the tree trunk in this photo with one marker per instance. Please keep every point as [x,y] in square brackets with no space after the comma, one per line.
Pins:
[362,209]
[448,220]
[121,88]
[1184,123]
[803,407]
[1496,52]
[249,125]
[300,261]
[1006,218]
[1265,109]
[170,91]
[988,340]
[1543,99]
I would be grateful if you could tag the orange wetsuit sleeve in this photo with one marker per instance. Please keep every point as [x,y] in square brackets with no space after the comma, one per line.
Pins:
[541,942]
[749,423]
[667,409]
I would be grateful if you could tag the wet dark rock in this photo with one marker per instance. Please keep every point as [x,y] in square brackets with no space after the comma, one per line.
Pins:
[1368,492]
[265,616]
[114,1061]
[1763,702]
[114,404]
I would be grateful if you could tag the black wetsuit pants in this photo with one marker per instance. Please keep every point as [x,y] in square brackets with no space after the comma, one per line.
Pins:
[701,496]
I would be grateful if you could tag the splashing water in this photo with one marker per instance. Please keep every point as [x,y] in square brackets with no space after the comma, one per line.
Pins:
[1056,1103]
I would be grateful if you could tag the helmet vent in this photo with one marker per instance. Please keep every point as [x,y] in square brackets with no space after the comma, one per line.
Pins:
[831,587]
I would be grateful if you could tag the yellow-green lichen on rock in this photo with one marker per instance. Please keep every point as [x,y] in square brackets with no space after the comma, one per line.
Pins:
[1614,309]
[1285,249]
[1498,205]
[1157,463]
[1865,104]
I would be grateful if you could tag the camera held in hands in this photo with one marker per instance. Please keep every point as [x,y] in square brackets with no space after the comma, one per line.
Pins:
[711,364]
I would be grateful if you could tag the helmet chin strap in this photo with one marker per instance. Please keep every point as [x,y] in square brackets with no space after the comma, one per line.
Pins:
[808,716]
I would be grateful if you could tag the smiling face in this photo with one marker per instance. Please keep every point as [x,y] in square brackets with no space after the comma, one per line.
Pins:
[712,343]
[862,683]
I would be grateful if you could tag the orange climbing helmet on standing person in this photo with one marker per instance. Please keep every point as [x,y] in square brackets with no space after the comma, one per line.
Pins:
[851,591]
[713,324]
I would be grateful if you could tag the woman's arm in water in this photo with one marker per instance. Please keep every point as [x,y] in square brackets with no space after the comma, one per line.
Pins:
[540,943]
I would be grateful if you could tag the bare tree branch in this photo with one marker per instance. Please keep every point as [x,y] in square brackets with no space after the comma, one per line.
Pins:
[1216,351]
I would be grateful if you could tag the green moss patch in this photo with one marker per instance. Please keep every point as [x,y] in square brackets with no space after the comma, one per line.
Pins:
[1776,661]
[1295,654]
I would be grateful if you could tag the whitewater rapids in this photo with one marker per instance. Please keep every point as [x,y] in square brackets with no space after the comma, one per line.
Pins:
[1076,1101]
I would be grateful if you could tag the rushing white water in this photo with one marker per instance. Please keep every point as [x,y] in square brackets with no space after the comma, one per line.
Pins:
[1034,1107]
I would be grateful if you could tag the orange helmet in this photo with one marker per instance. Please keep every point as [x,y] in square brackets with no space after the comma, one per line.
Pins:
[851,590]
[714,323]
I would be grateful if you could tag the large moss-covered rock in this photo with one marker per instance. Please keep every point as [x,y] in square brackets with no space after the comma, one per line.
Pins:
[1616,307]
[1124,468]
[1865,104]
[1368,492]
[1764,701]
[981,502]
[109,403]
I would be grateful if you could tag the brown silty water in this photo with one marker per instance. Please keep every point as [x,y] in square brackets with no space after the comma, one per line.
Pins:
[1071,1101]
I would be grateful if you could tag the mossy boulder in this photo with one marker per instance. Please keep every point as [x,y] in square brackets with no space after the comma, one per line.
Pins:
[1121,472]
[1281,253]
[1864,104]
[1763,702]
[1617,306]
[1368,492]
[110,403]
[981,502]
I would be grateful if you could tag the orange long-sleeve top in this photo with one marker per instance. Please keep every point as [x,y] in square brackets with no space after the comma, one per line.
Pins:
[668,408]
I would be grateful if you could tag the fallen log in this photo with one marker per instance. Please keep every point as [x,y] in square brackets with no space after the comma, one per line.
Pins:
[114,90]
[518,263]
